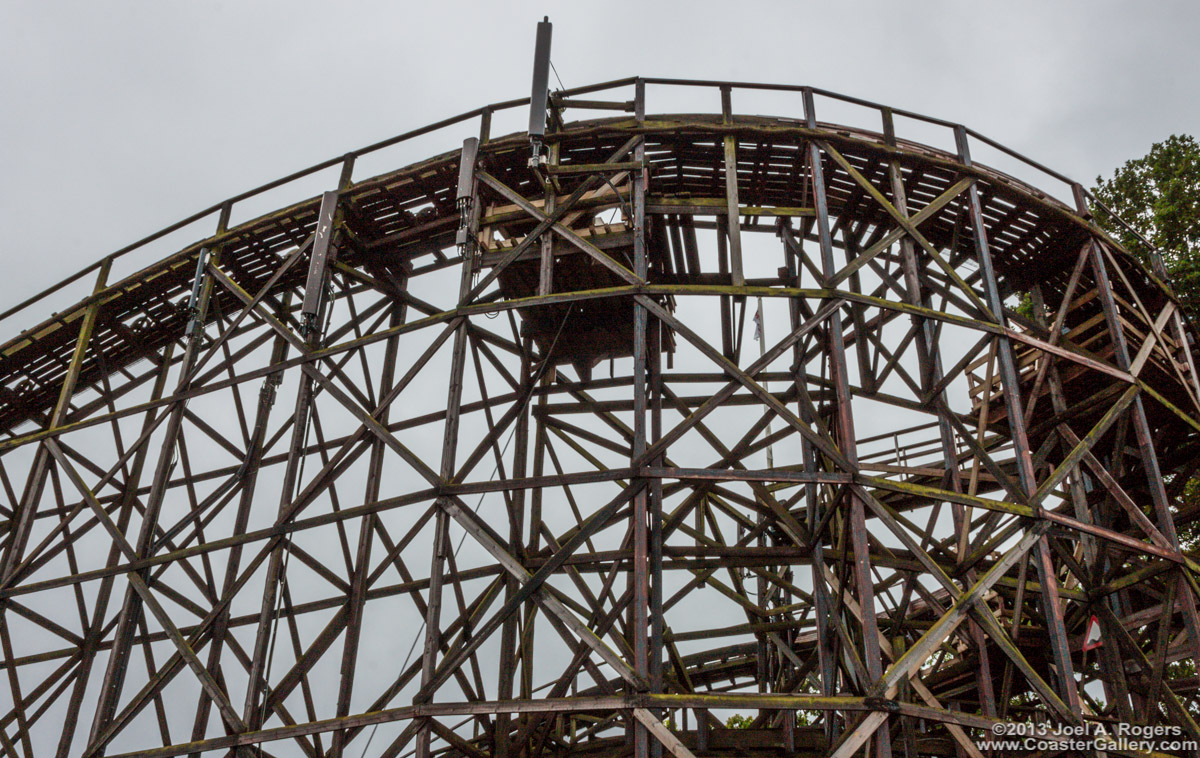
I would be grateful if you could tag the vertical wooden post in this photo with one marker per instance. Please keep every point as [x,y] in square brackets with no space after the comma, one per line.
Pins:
[1065,674]
[931,373]
[313,312]
[508,632]
[250,467]
[27,509]
[639,575]
[654,490]
[824,618]
[546,266]
[131,609]
[441,535]
[732,204]
[847,443]
[1145,443]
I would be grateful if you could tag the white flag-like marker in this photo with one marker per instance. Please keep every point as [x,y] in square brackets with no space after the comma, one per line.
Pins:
[1091,638]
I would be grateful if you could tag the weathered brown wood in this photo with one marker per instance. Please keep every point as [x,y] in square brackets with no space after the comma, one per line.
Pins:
[634,519]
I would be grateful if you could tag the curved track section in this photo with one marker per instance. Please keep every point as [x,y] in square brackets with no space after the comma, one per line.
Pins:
[707,415]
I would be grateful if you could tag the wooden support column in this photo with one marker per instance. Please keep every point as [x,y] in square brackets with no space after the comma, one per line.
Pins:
[1065,674]
[847,443]
[862,347]
[131,609]
[366,535]
[728,340]
[655,492]
[468,183]
[1114,683]
[639,621]
[931,374]
[732,205]
[546,264]
[27,509]
[1145,444]
[313,312]
[250,467]
[516,536]
[95,629]
[815,514]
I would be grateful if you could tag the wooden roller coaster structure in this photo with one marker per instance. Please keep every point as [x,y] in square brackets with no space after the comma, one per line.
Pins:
[683,417]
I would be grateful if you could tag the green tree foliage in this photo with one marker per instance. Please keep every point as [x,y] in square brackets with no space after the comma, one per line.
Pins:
[739,721]
[1159,196]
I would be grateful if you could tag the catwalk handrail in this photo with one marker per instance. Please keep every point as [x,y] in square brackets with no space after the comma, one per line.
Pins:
[225,206]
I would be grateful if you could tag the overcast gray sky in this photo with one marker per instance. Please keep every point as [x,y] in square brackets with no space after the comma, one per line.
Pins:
[121,117]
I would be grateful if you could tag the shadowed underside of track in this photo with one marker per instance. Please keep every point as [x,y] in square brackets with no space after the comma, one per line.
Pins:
[398,220]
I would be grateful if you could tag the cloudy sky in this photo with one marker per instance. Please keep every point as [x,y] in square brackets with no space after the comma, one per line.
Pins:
[121,117]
